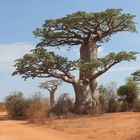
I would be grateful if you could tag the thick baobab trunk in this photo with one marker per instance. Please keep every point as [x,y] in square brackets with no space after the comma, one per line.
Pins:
[52,98]
[83,100]
[88,52]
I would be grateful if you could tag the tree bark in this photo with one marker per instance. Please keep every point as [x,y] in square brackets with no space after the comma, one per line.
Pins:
[52,98]
[83,97]
[88,52]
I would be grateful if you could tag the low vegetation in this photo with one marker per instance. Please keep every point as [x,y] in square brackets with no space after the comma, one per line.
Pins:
[2,107]
[128,94]
[16,104]
[108,98]
[124,98]
[63,106]
[37,107]
[136,107]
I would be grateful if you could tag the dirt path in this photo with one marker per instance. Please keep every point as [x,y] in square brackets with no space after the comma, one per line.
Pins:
[20,130]
[117,126]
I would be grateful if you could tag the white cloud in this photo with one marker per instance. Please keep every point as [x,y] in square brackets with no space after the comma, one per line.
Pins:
[10,52]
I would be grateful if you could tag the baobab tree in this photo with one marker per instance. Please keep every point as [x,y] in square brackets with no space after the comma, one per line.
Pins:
[87,30]
[51,86]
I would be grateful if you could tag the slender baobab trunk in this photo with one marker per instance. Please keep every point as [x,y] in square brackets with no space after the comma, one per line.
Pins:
[52,98]
[88,52]
[83,100]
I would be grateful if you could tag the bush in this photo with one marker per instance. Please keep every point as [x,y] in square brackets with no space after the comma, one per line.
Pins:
[16,104]
[113,105]
[63,106]
[108,98]
[38,109]
[124,106]
[103,104]
[136,107]
[2,106]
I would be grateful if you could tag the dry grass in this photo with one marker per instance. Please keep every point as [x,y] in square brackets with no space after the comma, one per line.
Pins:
[108,126]
[2,107]
[38,110]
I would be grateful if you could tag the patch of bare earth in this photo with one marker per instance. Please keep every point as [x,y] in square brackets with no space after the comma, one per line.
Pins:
[21,130]
[115,126]
[111,126]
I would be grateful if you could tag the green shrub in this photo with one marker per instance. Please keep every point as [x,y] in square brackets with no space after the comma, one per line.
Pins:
[16,104]
[63,105]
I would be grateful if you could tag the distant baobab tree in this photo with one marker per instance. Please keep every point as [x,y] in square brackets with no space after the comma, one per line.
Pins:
[51,86]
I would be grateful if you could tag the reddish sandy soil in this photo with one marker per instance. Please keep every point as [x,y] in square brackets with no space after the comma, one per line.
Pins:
[115,126]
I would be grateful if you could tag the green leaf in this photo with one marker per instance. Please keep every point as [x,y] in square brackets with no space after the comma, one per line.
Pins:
[77,28]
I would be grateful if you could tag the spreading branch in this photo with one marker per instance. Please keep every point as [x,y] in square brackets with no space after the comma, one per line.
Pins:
[79,27]
[43,64]
[101,65]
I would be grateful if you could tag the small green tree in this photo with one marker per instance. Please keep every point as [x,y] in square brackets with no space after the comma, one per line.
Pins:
[129,92]
[87,30]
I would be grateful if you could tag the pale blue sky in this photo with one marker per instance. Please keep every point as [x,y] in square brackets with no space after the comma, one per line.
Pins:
[18,18]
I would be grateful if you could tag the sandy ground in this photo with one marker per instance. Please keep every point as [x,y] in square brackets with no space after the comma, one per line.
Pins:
[21,130]
[115,126]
